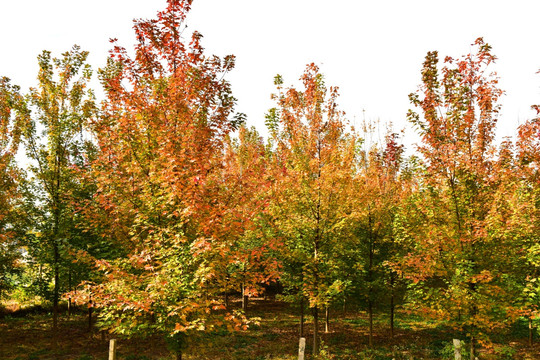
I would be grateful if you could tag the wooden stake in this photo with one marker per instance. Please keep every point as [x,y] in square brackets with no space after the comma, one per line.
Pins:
[457,349]
[112,349]
[302,348]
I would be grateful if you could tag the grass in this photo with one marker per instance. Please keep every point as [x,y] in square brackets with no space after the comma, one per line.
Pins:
[276,338]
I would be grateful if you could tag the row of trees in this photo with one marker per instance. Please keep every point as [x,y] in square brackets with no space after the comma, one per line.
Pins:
[158,202]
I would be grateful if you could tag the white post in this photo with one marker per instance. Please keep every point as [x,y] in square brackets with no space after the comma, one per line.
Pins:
[301,348]
[457,349]
[112,349]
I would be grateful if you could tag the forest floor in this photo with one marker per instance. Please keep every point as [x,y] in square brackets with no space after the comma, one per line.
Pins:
[30,337]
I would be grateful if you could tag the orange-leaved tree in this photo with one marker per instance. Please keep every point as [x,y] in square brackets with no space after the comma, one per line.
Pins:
[452,256]
[515,221]
[312,167]
[13,114]
[160,140]
[245,258]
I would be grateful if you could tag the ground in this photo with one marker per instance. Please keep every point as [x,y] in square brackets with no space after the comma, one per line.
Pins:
[276,338]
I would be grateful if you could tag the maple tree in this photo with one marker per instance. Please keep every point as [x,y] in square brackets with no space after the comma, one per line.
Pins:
[13,114]
[451,259]
[528,217]
[246,248]
[515,219]
[160,203]
[378,191]
[60,105]
[312,171]
[160,145]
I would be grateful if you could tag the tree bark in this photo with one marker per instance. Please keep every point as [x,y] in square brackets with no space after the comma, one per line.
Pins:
[302,316]
[69,288]
[244,298]
[370,312]
[392,308]
[472,348]
[370,280]
[56,286]
[315,331]
[56,231]
[326,319]
[90,305]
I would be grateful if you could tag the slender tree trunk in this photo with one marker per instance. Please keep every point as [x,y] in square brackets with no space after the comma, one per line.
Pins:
[244,298]
[315,331]
[69,288]
[473,311]
[344,306]
[472,348]
[179,355]
[56,231]
[302,316]
[370,312]
[90,306]
[392,306]
[392,315]
[56,286]
[326,319]
[41,279]
[370,281]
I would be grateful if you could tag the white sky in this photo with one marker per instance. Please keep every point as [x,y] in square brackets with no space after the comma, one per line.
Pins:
[373,50]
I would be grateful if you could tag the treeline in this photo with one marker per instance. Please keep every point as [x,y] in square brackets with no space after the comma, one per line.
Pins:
[159,201]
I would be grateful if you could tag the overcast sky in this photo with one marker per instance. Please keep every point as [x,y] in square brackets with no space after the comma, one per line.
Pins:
[372,50]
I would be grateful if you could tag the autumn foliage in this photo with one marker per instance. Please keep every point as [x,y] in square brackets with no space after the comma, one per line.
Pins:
[159,205]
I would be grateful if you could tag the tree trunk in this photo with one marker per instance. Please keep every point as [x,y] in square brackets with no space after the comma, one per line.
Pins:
[370,281]
[41,279]
[90,315]
[69,288]
[302,316]
[472,348]
[326,319]
[370,311]
[56,286]
[315,331]
[179,355]
[244,298]
[56,231]
[392,306]
[392,315]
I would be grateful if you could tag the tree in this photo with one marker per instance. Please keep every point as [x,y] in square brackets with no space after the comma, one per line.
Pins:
[378,192]
[245,258]
[312,168]
[514,219]
[158,174]
[13,114]
[61,105]
[528,216]
[452,257]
